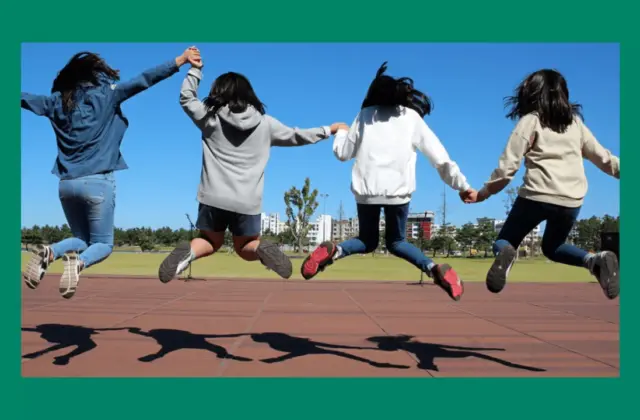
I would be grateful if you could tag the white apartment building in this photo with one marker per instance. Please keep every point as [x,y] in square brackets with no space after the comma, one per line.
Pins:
[320,230]
[270,222]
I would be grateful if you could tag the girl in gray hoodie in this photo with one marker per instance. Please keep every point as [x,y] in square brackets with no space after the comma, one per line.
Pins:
[237,137]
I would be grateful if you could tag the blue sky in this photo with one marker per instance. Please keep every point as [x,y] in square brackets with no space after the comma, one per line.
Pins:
[309,85]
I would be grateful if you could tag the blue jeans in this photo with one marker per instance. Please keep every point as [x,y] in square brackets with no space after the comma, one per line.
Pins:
[526,214]
[395,235]
[88,203]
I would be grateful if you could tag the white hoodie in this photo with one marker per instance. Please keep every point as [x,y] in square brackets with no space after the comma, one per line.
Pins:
[384,141]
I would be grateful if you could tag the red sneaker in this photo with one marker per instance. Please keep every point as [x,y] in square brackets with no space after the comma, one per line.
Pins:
[318,260]
[446,277]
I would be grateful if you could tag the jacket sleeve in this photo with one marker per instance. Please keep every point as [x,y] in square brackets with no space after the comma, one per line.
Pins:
[429,144]
[125,90]
[189,101]
[40,105]
[344,142]
[281,135]
[519,142]
[598,155]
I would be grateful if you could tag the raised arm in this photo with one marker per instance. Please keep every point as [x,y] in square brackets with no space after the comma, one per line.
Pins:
[509,163]
[284,136]
[189,101]
[125,90]
[429,144]
[38,104]
[344,143]
[598,155]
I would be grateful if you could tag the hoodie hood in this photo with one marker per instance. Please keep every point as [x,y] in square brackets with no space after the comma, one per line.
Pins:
[243,121]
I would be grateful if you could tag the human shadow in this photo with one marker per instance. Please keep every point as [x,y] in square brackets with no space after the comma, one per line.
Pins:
[172,340]
[297,346]
[63,336]
[428,352]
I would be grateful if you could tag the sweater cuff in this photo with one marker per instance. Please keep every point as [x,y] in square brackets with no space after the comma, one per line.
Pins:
[484,192]
[327,131]
[195,72]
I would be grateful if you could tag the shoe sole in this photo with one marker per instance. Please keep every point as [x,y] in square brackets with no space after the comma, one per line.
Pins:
[69,285]
[169,266]
[32,276]
[444,269]
[609,278]
[497,275]
[321,266]
[274,259]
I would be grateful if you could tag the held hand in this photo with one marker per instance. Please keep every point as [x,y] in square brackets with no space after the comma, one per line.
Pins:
[195,59]
[338,126]
[469,196]
[190,55]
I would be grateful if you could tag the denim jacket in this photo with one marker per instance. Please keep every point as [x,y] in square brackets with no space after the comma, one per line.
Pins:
[89,137]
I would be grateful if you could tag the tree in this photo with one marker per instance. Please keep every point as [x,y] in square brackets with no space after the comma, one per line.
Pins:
[467,236]
[510,199]
[228,242]
[301,204]
[286,237]
[588,233]
[486,236]
[610,224]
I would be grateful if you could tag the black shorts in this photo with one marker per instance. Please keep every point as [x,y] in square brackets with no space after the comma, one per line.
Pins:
[214,219]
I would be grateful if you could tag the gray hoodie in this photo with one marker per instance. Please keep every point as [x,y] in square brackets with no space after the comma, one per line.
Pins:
[235,149]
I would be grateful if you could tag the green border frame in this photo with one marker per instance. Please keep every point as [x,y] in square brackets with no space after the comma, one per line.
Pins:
[330,21]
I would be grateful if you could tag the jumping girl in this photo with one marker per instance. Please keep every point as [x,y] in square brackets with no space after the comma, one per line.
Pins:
[383,140]
[236,139]
[552,138]
[84,110]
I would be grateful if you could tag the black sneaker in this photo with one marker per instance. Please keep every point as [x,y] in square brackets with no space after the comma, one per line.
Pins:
[604,266]
[175,263]
[37,266]
[497,275]
[274,259]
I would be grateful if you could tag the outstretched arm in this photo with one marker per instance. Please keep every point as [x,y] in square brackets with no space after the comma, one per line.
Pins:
[281,135]
[598,155]
[429,144]
[138,331]
[344,143]
[189,101]
[40,105]
[125,90]
[509,163]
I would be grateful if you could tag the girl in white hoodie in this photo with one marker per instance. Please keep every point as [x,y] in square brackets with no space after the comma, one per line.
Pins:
[383,140]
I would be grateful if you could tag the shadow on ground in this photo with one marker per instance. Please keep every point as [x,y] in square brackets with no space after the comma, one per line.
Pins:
[80,339]
[63,336]
[426,353]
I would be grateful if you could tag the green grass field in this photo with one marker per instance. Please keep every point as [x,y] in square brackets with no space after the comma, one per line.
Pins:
[379,267]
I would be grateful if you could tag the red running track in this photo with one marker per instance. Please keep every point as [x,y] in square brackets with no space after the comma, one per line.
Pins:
[316,328]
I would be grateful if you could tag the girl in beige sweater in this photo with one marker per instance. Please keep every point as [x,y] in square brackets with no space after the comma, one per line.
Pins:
[554,141]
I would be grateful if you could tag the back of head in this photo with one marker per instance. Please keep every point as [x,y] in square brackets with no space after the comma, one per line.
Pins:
[84,67]
[233,90]
[388,91]
[546,94]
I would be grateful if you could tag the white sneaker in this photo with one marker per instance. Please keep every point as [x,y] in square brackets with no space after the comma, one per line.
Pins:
[37,266]
[71,275]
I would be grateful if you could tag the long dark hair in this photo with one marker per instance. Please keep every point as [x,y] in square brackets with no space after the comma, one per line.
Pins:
[84,67]
[388,91]
[234,90]
[544,92]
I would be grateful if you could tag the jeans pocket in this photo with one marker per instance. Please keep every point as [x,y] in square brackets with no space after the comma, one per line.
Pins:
[95,199]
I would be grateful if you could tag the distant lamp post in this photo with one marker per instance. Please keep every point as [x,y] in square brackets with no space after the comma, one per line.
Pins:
[324,212]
